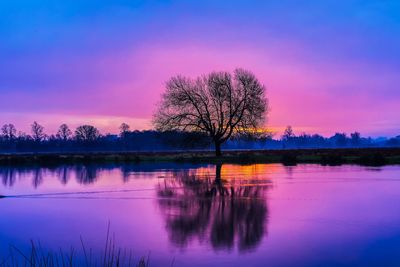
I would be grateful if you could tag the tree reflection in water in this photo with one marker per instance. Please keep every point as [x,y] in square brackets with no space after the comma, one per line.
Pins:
[37,178]
[8,176]
[63,174]
[85,174]
[213,210]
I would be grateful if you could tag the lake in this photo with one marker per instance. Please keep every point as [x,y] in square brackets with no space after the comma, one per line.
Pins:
[207,215]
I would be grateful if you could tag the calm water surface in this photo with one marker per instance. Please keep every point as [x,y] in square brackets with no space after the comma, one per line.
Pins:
[207,215]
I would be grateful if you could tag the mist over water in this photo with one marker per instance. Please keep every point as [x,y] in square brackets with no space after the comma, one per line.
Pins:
[225,215]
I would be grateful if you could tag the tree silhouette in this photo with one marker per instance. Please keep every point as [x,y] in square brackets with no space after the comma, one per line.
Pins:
[9,131]
[355,138]
[123,129]
[340,139]
[218,104]
[87,133]
[288,133]
[64,133]
[37,131]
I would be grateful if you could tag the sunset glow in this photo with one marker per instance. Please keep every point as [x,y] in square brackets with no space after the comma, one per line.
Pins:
[326,67]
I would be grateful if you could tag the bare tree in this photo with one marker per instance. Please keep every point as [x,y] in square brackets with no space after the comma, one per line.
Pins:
[87,133]
[218,104]
[64,133]
[37,131]
[288,133]
[124,128]
[9,131]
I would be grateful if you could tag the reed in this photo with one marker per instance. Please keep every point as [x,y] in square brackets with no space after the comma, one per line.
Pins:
[37,256]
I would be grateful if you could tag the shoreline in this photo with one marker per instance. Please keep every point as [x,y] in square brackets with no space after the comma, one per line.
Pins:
[325,156]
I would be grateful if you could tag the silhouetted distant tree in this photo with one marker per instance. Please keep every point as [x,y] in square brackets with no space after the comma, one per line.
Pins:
[123,129]
[87,133]
[288,137]
[339,139]
[37,131]
[9,131]
[355,139]
[288,133]
[64,133]
[217,104]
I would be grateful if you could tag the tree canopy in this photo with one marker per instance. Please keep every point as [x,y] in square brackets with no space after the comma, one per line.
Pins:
[220,104]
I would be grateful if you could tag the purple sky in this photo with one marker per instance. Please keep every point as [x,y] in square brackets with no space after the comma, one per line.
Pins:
[329,66]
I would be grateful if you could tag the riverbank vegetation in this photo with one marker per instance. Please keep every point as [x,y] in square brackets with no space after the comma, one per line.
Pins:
[361,156]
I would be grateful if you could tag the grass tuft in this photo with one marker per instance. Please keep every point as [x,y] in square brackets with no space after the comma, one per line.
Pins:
[37,256]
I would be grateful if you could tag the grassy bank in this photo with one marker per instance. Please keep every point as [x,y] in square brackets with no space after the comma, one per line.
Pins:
[362,156]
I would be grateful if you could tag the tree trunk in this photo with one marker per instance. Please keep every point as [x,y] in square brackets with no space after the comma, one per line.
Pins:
[217,148]
[218,168]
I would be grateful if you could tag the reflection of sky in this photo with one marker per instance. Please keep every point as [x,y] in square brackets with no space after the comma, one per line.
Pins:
[317,215]
[328,66]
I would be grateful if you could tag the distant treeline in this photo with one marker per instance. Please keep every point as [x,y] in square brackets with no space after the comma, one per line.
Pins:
[88,138]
